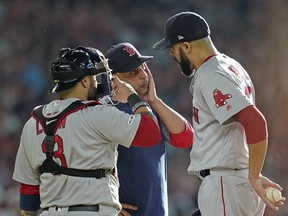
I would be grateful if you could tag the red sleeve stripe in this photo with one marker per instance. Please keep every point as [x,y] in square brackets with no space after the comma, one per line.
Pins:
[148,133]
[183,139]
[254,124]
[29,189]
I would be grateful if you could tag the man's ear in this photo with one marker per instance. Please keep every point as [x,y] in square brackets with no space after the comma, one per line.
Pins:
[187,47]
[85,82]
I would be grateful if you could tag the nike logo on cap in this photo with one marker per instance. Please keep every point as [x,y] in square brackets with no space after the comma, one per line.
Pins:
[48,122]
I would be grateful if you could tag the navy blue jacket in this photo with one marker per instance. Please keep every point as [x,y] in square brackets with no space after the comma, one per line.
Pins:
[143,177]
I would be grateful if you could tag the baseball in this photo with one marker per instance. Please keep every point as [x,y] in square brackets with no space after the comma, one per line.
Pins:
[273,194]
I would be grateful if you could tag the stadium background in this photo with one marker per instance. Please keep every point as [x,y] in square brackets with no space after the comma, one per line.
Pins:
[32,32]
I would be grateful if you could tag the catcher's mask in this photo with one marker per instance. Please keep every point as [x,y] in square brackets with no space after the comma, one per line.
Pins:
[72,65]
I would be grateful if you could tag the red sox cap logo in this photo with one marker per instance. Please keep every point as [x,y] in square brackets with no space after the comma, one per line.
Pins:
[130,50]
[220,98]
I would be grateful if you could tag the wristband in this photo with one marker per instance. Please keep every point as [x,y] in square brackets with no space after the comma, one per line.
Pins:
[135,101]
[139,104]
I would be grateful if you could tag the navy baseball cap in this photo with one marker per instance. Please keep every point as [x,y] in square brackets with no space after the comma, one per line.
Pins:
[124,57]
[183,27]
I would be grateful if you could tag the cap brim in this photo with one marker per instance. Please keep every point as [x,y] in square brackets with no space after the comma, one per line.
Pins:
[133,65]
[144,59]
[162,44]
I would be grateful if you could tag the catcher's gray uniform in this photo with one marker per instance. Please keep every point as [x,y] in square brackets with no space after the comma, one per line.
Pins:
[221,88]
[86,139]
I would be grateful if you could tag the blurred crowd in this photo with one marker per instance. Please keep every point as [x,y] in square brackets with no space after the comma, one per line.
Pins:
[32,32]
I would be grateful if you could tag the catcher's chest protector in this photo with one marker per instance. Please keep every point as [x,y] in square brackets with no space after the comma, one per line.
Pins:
[51,166]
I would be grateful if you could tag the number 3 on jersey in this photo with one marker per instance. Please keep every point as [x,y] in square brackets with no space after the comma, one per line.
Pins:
[59,153]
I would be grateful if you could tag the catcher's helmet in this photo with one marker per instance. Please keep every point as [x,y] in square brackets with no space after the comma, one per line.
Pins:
[72,65]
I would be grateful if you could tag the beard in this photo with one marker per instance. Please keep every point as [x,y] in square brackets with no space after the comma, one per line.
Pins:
[92,92]
[185,65]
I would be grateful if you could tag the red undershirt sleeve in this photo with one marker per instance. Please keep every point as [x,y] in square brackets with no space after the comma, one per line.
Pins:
[254,124]
[148,133]
[29,189]
[183,139]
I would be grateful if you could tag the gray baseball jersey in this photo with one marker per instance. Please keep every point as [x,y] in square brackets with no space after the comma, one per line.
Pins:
[86,139]
[220,88]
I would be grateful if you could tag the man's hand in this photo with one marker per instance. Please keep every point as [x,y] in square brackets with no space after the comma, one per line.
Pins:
[151,96]
[121,89]
[30,213]
[260,185]
[127,206]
